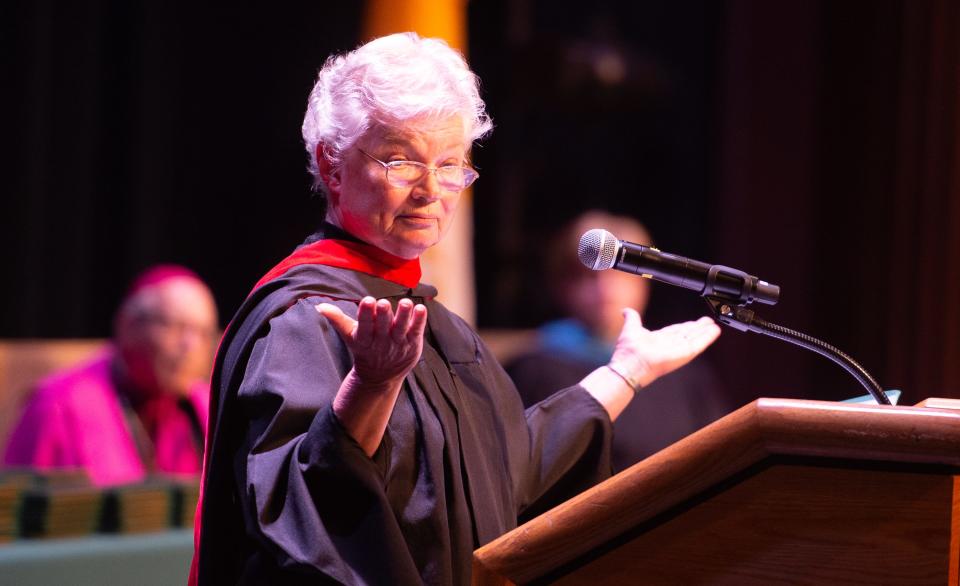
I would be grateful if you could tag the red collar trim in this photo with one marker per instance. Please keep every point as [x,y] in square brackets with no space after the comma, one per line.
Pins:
[357,256]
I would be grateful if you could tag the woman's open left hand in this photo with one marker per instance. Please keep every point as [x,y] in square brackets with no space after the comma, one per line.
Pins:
[385,346]
[646,355]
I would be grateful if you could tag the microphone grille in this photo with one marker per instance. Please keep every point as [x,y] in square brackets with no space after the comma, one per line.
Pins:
[598,249]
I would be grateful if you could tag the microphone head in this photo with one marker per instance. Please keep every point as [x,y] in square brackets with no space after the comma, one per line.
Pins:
[598,249]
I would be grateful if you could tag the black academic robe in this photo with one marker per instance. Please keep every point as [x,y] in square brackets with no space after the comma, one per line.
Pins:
[664,412]
[290,498]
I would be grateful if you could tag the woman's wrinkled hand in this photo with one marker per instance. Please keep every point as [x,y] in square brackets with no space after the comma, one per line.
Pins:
[646,355]
[385,345]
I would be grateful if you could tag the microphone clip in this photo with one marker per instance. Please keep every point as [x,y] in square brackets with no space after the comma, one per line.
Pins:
[731,314]
[737,287]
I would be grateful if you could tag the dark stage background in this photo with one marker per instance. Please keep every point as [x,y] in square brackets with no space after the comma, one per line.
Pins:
[811,143]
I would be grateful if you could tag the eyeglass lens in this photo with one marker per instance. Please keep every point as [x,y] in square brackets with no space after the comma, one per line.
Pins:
[450,177]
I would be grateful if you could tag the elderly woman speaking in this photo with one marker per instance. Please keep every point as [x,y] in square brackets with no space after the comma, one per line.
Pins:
[361,433]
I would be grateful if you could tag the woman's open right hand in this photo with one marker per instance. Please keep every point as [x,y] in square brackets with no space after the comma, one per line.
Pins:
[385,346]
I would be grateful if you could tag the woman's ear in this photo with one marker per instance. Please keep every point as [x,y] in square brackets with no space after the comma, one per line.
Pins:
[329,174]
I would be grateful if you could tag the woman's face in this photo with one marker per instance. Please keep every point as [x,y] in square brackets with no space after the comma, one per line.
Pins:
[404,221]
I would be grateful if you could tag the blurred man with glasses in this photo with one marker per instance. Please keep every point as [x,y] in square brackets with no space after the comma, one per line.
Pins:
[140,406]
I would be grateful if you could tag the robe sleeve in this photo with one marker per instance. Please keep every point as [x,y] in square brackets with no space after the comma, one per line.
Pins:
[558,447]
[310,494]
[571,438]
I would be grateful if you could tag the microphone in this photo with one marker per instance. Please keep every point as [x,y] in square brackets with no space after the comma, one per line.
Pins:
[600,250]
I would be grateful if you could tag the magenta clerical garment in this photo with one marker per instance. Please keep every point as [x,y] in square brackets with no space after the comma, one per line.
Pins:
[79,418]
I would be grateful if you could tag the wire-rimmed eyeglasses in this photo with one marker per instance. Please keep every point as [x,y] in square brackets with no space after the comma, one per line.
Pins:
[409,173]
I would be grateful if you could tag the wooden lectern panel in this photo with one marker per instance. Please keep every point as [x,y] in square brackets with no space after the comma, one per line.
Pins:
[781,491]
[788,523]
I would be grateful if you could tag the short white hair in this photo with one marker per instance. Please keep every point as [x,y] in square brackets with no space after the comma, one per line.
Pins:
[389,80]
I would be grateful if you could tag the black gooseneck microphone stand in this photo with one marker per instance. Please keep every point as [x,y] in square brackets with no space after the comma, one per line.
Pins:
[734,313]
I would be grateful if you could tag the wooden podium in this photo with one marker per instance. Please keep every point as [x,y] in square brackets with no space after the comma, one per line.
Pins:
[779,492]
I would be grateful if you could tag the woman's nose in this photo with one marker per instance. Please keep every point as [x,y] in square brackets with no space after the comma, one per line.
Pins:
[429,188]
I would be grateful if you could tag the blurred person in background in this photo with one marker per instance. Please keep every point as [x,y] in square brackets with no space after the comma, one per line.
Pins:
[568,348]
[139,406]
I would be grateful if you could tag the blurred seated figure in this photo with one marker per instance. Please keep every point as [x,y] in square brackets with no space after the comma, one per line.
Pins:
[669,409]
[138,407]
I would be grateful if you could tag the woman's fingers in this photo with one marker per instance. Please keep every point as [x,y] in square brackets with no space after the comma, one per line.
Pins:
[382,321]
[409,323]
[695,339]
[401,321]
[377,322]
[631,319]
[417,325]
[700,331]
[344,324]
[366,316]
[691,336]
[384,344]
[707,330]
